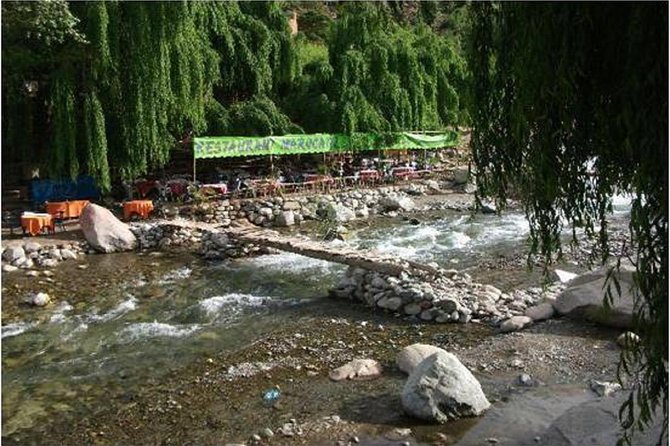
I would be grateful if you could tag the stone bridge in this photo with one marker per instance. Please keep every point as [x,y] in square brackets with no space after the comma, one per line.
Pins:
[367,259]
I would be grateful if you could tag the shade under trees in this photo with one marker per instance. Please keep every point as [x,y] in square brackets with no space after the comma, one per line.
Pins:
[564,89]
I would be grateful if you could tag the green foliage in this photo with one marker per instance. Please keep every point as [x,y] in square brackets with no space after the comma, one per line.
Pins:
[259,117]
[558,86]
[389,78]
[108,88]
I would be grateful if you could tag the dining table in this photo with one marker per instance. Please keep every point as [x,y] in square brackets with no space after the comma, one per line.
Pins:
[35,223]
[66,209]
[141,208]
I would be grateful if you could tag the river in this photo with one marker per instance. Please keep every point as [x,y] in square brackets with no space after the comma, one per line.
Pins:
[64,359]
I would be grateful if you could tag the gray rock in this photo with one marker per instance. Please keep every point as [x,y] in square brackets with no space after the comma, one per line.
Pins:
[39,299]
[540,312]
[55,254]
[460,175]
[412,355]
[67,254]
[396,203]
[562,276]
[291,206]
[105,232]
[412,308]
[339,213]
[390,303]
[596,423]
[526,380]
[285,218]
[441,388]
[583,298]
[515,323]
[31,247]
[357,369]
[13,254]
[605,388]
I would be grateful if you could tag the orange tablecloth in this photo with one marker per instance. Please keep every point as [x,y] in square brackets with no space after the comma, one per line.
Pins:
[34,224]
[137,207]
[70,209]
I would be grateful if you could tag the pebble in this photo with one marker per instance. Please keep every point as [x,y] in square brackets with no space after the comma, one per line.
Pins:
[82,266]
[355,440]
[32,274]
[492,440]
[525,380]
[267,433]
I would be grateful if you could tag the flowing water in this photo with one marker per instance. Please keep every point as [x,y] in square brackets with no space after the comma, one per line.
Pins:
[50,362]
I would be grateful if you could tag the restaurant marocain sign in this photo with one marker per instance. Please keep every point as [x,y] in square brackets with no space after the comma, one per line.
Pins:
[235,146]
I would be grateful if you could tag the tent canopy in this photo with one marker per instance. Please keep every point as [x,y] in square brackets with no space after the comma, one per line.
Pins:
[232,146]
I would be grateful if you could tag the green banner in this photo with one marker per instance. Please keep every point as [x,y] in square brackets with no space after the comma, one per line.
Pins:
[232,146]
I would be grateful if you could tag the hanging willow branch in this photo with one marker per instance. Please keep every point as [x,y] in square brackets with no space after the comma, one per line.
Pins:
[563,86]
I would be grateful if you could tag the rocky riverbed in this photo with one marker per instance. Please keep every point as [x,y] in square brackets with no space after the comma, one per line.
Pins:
[224,333]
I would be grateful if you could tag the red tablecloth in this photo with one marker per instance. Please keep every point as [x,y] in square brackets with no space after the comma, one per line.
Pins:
[69,209]
[369,174]
[35,223]
[220,188]
[137,207]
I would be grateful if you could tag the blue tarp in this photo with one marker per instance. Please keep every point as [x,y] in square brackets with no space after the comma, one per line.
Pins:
[61,190]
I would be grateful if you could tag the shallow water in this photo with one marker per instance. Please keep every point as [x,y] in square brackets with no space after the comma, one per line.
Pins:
[140,329]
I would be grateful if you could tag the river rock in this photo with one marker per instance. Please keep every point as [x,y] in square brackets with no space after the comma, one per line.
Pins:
[105,232]
[9,268]
[396,203]
[39,299]
[339,213]
[460,175]
[67,254]
[14,254]
[597,423]
[31,247]
[412,355]
[583,298]
[540,312]
[432,185]
[357,369]
[605,388]
[291,206]
[562,276]
[515,323]
[285,218]
[627,339]
[441,388]
[390,303]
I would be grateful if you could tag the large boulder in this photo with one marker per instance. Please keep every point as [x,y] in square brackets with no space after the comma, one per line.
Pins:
[104,232]
[441,388]
[584,298]
[597,422]
[339,213]
[396,203]
[412,355]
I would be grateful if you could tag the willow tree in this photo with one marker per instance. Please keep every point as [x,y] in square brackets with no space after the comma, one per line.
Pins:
[259,62]
[561,86]
[380,76]
[387,77]
[119,83]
